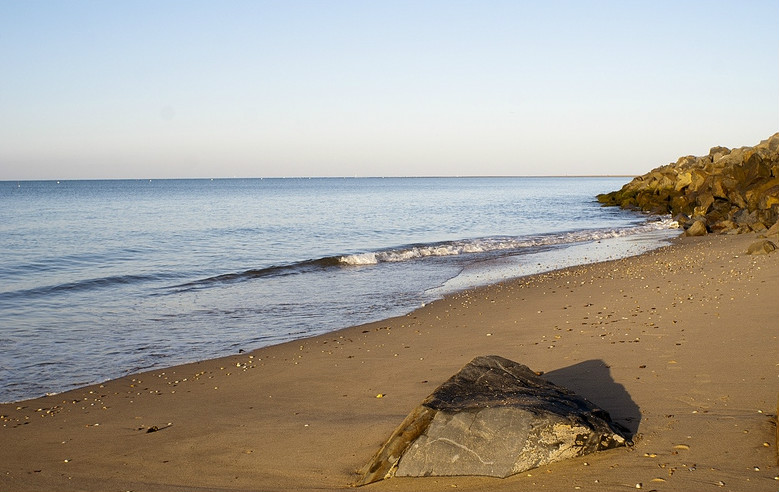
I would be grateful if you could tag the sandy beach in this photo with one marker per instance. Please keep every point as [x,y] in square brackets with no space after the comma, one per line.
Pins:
[679,345]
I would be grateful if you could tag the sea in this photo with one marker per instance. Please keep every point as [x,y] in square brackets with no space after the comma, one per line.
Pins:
[100,279]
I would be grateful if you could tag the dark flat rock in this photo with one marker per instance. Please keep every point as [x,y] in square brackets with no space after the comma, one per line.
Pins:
[494,418]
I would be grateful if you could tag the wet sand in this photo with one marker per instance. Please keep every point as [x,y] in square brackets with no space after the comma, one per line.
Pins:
[679,345]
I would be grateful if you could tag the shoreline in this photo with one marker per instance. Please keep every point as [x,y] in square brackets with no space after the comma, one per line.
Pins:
[565,249]
[643,337]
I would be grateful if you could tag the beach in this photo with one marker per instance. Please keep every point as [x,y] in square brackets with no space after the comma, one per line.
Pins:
[679,345]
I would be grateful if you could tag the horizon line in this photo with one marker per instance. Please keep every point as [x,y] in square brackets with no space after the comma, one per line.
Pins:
[212,178]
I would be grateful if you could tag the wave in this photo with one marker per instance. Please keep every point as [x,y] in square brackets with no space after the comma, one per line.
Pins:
[420,251]
[497,244]
[76,286]
[69,262]
[255,273]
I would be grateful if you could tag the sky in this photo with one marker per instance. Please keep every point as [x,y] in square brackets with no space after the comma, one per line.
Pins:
[169,89]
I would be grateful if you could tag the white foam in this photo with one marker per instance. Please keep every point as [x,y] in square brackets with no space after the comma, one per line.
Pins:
[360,259]
[485,245]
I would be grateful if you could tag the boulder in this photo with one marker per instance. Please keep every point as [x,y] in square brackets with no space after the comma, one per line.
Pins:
[683,220]
[698,228]
[745,217]
[722,151]
[683,180]
[493,418]
[758,227]
[762,247]
[724,227]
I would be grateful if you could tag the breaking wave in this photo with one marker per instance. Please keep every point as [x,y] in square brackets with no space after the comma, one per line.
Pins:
[497,244]
[413,252]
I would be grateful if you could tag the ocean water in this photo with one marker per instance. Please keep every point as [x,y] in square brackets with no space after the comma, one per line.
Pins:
[99,279]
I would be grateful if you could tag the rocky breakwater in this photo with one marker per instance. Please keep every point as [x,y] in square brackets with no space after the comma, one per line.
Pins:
[727,191]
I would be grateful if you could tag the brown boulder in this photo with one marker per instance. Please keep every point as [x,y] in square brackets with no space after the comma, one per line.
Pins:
[718,151]
[698,228]
[737,199]
[762,247]
[705,201]
[724,226]
[758,227]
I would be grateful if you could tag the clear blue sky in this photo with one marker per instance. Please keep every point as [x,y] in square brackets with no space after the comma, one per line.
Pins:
[164,88]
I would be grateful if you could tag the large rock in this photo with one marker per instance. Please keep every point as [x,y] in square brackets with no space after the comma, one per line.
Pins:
[698,228]
[726,186]
[494,418]
[762,247]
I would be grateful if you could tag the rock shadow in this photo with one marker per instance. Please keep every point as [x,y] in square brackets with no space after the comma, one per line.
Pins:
[592,380]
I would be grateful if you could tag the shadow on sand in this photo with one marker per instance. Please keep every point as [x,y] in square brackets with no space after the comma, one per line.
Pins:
[592,380]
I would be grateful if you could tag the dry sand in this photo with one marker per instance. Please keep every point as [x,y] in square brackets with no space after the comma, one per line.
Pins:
[679,345]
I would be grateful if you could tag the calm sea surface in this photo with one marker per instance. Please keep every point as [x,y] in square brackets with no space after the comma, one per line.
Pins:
[99,279]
